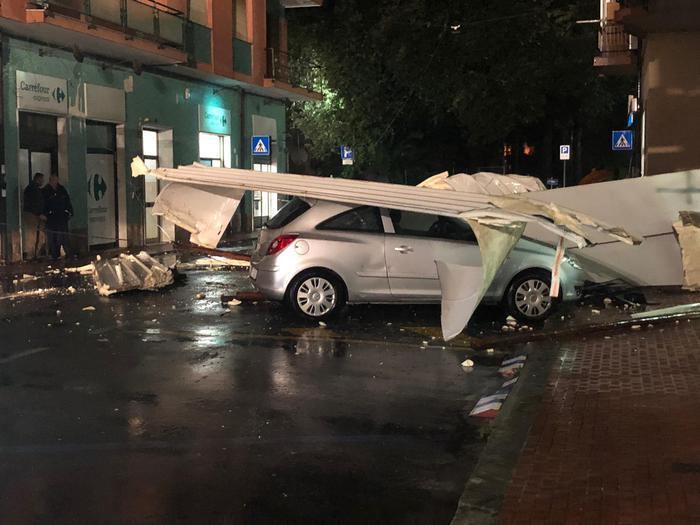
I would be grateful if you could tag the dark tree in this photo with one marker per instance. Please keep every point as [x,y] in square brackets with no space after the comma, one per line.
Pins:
[420,86]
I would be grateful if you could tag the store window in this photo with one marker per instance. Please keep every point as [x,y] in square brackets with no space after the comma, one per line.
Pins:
[215,150]
[152,185]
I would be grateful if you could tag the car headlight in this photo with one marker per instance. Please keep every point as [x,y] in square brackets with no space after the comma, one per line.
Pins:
[573,263]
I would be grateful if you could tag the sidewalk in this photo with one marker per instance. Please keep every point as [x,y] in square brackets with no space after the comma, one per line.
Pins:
[616,437]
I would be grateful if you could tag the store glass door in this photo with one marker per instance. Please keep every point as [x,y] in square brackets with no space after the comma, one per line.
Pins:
[101,173]
[38,153]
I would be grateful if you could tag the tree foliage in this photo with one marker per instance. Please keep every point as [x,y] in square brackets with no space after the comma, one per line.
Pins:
[417,86]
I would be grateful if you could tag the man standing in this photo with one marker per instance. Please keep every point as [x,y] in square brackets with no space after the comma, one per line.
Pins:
[33,217]
[58,209]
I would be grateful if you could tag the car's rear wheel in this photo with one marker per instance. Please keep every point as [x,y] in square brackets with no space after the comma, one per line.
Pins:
[316,295]
[527,297]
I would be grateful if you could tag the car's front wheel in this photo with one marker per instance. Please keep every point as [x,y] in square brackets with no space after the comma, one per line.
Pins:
[316,295]
[527,298]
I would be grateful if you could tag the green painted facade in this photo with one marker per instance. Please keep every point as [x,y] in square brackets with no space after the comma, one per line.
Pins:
[151,101]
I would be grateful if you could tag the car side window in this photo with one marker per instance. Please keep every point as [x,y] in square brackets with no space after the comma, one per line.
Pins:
[432,226]
[363,219]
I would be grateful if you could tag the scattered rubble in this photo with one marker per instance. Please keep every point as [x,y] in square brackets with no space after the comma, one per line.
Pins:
[682,309]
[87,269]
[468,363]
[212,263]
[130,272]
[510,367]
[688,232]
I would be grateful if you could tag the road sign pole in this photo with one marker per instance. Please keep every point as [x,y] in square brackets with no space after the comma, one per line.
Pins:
[564,175]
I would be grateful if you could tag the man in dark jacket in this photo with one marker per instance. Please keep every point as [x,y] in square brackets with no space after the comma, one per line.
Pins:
[58,209]
[33,217]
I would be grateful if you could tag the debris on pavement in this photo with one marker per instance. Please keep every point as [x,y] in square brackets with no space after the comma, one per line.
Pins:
[30,293]
[688,232]
[212,263]
[87,269]
[510,367]
[130,272]
[489,406]
[671,311]
[200,296]
[467,363]
[89,309]
[233,302]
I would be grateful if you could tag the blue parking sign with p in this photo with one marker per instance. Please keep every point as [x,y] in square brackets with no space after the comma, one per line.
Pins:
[347,155]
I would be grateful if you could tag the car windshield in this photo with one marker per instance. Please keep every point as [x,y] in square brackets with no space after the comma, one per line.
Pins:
[290,211]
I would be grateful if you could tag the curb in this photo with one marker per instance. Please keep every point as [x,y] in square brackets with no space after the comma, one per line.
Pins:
[484,489]
[559,335]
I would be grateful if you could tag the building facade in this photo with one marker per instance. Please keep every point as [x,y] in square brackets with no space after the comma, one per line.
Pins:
[89,84]
[658,40]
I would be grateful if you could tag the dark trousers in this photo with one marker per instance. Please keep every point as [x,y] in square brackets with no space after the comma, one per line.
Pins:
[57,236]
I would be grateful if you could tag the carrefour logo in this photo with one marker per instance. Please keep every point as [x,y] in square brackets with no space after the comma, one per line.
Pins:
[97,187]
[214,117]
[58,95]
[34,87]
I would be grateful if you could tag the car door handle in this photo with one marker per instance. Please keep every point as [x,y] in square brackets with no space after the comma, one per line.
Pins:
[403,249]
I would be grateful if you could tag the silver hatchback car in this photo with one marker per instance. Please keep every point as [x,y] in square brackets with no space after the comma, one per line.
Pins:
[318,255]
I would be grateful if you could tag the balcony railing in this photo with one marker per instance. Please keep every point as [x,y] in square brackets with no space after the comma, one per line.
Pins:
[290,70]
[147,19]
[634,3]
[613,38]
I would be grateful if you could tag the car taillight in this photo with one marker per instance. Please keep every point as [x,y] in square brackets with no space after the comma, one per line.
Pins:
[280,243]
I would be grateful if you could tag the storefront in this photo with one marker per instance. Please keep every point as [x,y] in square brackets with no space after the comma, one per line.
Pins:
[214,136]
[86,120]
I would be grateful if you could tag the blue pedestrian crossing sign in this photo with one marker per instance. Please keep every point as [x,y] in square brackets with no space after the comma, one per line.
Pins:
[622,140]
[347,155]
[260,145]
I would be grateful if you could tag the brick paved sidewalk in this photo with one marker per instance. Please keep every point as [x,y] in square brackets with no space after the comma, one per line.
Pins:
[617,437]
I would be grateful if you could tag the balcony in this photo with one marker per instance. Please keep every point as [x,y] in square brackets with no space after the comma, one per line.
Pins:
[301,3]
[146,19]
[618,49]
[641,17]
[289,70]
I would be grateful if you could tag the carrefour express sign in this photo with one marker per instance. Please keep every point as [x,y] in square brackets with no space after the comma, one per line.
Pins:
[41,93]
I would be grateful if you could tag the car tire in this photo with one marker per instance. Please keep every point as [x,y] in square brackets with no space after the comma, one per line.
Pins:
[316,294]
[527,297]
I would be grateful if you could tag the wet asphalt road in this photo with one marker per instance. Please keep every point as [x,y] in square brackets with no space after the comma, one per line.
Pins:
[162,408]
